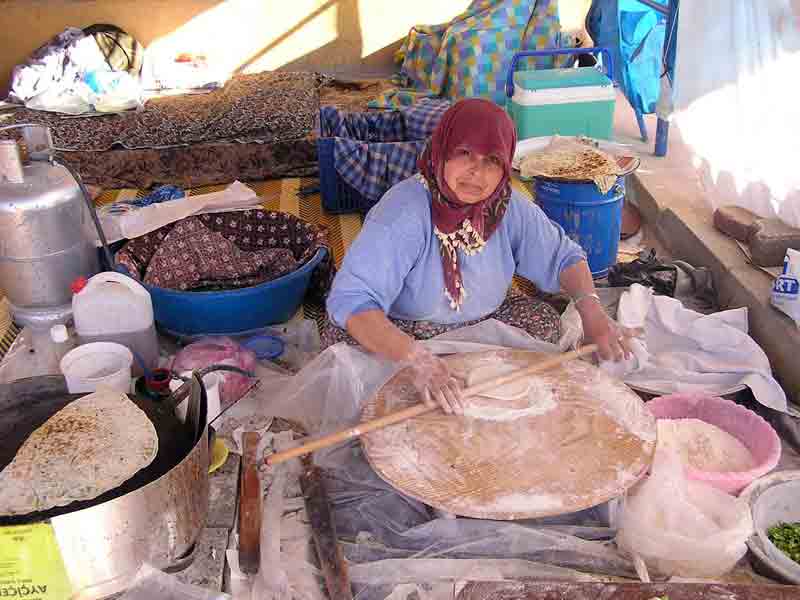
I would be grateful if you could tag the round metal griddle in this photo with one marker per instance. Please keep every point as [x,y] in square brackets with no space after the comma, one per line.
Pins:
[594,444]
[25,405]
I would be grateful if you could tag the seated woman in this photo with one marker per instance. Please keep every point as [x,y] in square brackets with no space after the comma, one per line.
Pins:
[440,249]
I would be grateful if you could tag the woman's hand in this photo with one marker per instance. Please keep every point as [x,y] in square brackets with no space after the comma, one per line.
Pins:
[432,377]
[612,340]
[434,381]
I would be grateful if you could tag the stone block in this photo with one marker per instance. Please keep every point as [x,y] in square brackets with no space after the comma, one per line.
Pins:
[735,221]
[770,240]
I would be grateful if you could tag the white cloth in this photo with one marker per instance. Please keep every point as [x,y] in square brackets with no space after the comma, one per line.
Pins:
[686,351]
[140,221]
[736,102]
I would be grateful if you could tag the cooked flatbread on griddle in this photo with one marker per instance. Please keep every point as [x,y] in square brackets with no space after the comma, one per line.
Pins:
[89,447]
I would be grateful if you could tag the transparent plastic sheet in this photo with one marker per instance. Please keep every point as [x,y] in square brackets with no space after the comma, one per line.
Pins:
[330,391]
[391,541]
[429,579]
[271,582]
[152,584]
[682,527]
[375,522]
[286,570]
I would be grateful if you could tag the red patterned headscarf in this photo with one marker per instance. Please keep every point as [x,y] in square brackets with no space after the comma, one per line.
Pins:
[483,128]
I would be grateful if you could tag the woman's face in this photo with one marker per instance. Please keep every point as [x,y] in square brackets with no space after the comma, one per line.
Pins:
[472,176]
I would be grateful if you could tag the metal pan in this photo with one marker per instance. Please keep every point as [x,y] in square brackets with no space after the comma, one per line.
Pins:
[25,405]
[156,517]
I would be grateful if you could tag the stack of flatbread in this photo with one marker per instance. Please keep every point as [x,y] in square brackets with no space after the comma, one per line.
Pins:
[575,163]
[89,447]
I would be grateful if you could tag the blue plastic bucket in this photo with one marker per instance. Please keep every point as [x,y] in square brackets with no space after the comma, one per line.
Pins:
[588,216]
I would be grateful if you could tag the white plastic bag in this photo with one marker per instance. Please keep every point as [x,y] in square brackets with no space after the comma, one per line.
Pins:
[682,527]
[786,289]
[113,91]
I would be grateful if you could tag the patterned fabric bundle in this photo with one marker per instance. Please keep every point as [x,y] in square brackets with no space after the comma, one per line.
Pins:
[227,251]
[262,107]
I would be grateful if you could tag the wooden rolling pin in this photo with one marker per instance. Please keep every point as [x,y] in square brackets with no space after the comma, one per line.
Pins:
[421,409]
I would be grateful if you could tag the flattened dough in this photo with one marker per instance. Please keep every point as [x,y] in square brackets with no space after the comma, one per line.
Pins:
[515,390]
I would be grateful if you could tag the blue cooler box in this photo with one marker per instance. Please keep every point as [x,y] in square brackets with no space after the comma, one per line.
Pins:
[567,102]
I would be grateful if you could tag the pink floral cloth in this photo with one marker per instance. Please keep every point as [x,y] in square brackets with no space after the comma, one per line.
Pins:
[226,251]
[192,257]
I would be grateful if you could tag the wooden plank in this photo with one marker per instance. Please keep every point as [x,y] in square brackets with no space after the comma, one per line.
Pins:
[625,591]
[249,506]
[329,553]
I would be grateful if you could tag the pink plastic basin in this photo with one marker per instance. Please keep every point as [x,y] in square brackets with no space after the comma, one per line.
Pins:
[754,432]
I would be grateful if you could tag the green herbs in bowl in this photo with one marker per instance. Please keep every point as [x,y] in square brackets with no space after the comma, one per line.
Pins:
[786,537]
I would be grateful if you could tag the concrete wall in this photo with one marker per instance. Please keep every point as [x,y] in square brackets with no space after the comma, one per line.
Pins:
[251,35]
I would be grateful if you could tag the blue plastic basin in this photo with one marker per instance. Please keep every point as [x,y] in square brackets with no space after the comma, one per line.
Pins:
[232,312]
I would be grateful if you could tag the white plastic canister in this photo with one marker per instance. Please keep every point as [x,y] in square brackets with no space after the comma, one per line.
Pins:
[112,307]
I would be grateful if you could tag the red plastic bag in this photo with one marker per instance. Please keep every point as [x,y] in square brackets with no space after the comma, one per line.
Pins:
[219,351]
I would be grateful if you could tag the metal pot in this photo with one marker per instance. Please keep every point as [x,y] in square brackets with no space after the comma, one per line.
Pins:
[156,517]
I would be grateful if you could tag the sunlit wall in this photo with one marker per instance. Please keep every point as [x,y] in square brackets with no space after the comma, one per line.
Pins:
[354,35]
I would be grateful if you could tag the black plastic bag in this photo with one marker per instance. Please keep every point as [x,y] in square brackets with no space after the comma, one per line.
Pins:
[646,270]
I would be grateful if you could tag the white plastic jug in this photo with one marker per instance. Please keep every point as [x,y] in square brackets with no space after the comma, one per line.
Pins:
[112,307]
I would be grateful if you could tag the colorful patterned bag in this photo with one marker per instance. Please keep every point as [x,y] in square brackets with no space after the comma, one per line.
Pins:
[470,55]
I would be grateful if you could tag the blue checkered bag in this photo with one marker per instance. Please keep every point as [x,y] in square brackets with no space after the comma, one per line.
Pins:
[375,150]
[389,126]
[373,168]
[423,117]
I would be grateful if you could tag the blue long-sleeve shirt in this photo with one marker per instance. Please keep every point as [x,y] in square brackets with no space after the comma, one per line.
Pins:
[395,265]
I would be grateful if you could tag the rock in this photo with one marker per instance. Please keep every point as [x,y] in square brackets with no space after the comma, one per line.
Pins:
[770,240]
[737,222]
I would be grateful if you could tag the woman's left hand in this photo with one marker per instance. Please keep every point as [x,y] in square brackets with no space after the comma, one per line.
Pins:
[612,340]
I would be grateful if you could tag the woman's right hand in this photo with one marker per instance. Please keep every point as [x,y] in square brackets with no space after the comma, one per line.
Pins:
[434,381]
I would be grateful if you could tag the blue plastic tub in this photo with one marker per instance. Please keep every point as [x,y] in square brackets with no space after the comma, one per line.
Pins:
[589,217]
[233,312]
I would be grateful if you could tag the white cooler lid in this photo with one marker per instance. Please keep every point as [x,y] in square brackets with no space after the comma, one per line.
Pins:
[571,95]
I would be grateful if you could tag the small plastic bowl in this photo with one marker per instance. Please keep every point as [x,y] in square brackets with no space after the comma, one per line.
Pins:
[776,505]
[755,433]
[265,347]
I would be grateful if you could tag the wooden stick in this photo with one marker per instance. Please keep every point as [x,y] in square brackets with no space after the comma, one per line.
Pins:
[250,505]
[323,529]
[421,409]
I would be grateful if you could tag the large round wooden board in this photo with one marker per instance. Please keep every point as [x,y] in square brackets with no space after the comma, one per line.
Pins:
[595,443]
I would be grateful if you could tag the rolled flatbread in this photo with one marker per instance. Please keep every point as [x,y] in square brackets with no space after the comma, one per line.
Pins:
[89,447]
